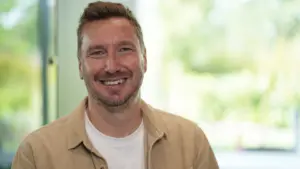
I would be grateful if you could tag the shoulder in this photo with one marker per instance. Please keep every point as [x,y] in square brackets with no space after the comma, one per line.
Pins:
[173,120]
[176,124]
[188,134]
[56,133]
[48,135]
[38,144]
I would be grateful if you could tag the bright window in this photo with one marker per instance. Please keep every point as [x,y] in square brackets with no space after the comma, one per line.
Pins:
[233,67]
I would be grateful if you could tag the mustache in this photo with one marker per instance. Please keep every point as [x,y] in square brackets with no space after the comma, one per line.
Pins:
[108,75]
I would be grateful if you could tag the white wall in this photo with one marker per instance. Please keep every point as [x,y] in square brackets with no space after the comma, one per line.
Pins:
[70,88]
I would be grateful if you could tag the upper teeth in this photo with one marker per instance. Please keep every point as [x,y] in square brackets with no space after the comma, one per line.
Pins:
[113,82]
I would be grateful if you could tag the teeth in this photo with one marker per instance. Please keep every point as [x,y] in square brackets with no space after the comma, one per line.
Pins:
[114,82]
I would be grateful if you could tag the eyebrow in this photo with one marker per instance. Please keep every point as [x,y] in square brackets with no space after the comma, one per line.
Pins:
[124,42]
[95,47]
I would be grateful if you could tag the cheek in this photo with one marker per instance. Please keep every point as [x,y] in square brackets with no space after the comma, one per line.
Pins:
[85,68]
[134,64]
[89,69]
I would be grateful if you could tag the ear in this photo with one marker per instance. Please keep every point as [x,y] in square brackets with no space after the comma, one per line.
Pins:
[80,68]
[145,60]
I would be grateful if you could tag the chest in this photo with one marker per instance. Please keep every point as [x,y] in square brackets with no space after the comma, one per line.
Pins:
[120,153]
[166,155]
[158,157]
[123,156]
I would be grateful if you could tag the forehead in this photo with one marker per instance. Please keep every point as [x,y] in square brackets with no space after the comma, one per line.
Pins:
[108,31]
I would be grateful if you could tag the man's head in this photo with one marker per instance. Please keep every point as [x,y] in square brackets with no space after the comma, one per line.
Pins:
[111,53]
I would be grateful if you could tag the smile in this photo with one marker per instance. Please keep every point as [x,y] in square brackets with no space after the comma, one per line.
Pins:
[113,82]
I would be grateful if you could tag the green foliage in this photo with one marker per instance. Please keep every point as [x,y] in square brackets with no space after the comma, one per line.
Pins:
[233,42]
[202,31]
[7,5]
[27,27]
[18,71]
[11,43]
[19,40]
[16,81]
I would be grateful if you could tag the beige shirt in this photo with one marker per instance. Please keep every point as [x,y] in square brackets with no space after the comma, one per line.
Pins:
[171,142]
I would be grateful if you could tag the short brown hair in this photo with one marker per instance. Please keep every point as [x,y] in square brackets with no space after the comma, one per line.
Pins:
[104,10]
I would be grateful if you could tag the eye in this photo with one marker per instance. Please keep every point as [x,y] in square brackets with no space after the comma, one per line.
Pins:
[97,53]
[124,49]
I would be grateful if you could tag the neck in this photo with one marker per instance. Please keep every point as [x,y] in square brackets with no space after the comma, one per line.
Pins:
[115,122]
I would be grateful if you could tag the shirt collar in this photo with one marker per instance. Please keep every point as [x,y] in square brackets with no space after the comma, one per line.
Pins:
[77,135]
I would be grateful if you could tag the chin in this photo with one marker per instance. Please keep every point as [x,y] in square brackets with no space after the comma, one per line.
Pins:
[114,103]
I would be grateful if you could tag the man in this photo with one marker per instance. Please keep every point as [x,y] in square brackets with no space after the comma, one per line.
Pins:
[113,128]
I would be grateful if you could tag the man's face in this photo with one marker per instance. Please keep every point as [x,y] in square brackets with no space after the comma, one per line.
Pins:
[111,62]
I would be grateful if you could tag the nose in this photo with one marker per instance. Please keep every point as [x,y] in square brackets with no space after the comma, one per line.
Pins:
[111,64]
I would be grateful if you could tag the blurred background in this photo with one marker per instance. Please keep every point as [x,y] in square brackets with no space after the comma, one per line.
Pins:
[229,65]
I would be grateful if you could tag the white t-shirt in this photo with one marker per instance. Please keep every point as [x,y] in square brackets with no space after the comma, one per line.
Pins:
[119,153]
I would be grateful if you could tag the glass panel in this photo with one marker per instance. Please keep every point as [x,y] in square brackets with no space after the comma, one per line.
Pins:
[20,75]
[232,67]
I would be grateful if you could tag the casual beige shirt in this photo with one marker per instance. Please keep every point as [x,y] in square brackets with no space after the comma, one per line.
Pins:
[171,142]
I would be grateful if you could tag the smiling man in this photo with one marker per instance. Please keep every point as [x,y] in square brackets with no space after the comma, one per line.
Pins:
[113,128]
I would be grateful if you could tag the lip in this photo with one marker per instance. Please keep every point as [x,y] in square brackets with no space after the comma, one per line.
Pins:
[113,82]
[113,79]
